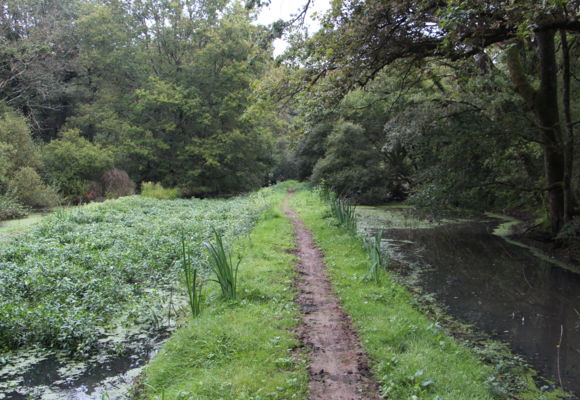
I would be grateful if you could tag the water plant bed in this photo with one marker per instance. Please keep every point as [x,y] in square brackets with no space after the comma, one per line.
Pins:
[411,352]
[92,286]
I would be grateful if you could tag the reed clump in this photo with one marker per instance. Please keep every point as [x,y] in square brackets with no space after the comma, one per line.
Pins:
[223,266]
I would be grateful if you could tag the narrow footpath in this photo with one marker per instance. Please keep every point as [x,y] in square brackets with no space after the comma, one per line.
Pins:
[338,367]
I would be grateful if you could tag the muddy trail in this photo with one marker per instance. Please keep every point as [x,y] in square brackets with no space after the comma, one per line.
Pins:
[338,367]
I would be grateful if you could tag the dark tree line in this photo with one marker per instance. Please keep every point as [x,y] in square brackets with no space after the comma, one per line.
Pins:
[450,54]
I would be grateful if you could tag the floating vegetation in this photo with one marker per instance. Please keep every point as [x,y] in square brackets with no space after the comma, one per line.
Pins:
[96,283]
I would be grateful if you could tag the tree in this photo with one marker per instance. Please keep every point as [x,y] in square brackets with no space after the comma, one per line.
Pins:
[38,50]
[360,39]
[175,108]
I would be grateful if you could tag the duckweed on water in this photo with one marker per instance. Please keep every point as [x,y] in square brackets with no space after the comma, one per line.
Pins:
[63,284]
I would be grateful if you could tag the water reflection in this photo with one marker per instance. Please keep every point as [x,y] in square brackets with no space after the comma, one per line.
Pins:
[500,288]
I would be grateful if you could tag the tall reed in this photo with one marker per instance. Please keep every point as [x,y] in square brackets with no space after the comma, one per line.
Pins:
[193,282]
[222,265]
[344,211]
[379,262]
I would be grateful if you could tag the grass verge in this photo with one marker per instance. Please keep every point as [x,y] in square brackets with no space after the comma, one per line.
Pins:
[411,356]
[13,227]
[242,349]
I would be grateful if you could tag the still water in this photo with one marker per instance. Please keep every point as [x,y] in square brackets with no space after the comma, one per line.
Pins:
[500,288]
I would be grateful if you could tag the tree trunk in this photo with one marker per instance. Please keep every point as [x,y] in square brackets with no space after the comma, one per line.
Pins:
[544,103]
[569,201]
[546,109]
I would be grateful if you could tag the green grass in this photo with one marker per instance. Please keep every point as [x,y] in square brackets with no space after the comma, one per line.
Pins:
[242,349]
[157,191]
[410,355]
[14,227]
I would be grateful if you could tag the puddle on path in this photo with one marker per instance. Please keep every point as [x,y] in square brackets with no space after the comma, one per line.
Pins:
[500,288]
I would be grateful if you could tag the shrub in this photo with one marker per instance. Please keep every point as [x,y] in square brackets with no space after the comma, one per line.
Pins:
[73,163]
[15,135]
[116,183]
[27,186]
[10,208]
[157,191]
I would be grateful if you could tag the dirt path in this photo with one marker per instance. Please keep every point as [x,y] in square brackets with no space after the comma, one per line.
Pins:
[338,367]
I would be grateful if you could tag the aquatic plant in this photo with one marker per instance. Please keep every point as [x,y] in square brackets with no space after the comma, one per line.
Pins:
[193,282]
[379,262]
[81,270]
[344,211]
[223,267]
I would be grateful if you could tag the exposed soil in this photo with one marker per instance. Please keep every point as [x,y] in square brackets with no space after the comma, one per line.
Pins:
[338,367]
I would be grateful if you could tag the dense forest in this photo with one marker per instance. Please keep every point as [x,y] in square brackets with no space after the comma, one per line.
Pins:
[454,104]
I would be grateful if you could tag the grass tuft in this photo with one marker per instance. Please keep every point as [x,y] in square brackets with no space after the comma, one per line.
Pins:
[379,261]
[223,267]
[344,212]
[193,282]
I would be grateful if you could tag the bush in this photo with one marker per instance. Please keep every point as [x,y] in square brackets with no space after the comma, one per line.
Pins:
[10,208]
[27,186]
[157,191]
[116,183]
[74,163]
[17,145]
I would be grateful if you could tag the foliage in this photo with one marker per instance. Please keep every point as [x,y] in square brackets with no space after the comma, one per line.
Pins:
[496,66]
[311,148]
[10,208]
[378,261]
[27,186]
[352,166]
[157,191]
[73,163]
[116,183]
[193,282]
[81,271]
[18,149]
[37,61]
[19,165]
[221,264]
[175,109]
